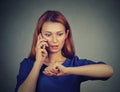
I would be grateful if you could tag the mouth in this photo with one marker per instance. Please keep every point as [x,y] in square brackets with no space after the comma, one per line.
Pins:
[54,46]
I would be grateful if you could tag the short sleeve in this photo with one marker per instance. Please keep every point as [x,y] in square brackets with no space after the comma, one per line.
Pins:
[24,70]
[82,62]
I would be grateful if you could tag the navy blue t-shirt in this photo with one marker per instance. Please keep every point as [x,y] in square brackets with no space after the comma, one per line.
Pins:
[45,83]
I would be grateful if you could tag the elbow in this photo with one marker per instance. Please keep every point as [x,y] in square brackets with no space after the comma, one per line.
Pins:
[110,71]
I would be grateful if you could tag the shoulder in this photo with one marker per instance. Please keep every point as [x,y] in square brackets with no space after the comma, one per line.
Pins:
[28,62]
[25,66]
[79,61]
[24,69]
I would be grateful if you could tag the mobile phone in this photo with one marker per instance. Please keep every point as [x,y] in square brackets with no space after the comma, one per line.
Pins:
[41,38]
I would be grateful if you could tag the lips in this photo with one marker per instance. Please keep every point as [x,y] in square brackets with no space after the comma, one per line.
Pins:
[54,46]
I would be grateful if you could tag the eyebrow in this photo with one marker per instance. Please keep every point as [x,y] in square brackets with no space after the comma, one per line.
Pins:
[47,32]
[51,32]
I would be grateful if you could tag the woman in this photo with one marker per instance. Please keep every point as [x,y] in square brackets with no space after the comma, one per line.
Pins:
[52,65]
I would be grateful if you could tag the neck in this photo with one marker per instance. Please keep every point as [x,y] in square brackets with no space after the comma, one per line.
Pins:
[56,57]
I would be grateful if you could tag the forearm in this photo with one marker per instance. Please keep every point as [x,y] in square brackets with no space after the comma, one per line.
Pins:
[96,70]
[29,85]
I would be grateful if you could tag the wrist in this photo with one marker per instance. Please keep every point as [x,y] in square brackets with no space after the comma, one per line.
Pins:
[68,70]
[38,63]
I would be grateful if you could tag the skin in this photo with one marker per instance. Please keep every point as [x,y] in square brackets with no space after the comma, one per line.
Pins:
[53,37]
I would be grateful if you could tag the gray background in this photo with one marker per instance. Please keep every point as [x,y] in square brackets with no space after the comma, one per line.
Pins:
[95,27]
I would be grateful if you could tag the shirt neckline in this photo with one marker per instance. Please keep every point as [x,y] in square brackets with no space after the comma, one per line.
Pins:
[61,63]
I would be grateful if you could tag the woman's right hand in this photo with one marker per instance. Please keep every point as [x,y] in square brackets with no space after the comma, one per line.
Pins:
[41,52]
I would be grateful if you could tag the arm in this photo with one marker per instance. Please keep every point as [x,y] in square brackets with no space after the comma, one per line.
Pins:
[94,70]
[29,84]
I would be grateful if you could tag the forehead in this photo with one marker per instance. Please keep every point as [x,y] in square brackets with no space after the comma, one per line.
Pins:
[53,27]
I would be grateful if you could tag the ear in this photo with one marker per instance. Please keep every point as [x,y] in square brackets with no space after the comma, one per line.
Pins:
[67,34]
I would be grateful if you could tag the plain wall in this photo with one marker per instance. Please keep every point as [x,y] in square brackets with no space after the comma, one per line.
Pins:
[95,27]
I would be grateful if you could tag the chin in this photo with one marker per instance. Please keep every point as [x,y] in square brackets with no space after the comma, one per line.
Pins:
[54,51]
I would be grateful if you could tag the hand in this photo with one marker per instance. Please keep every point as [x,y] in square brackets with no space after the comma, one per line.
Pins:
[55,69]
[41,53]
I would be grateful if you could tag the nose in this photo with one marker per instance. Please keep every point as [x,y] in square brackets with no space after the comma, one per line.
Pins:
[54,39]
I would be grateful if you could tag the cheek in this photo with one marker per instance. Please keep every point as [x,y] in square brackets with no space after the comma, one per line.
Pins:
[48,41]
[62,41]
[59,40]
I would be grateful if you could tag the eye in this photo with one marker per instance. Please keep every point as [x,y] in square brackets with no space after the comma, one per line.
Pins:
[60,34]
[48,35]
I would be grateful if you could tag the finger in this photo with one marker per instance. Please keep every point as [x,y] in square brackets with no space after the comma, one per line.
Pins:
[54,70]
[49,69]
[40,40]
[41,44]
[59,74]
[41,37]
[44,52]
[49,73]
[46,73]
[44,44]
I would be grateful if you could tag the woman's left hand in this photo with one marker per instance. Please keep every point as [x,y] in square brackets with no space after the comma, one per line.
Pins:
[55,69]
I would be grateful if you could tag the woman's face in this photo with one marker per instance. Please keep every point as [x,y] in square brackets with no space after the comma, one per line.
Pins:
[55,35]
